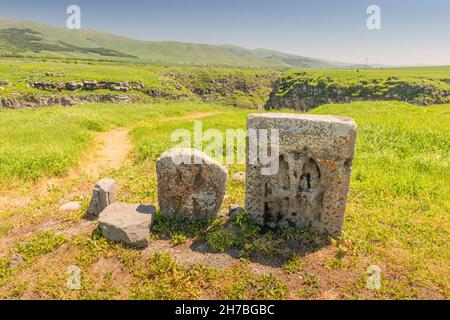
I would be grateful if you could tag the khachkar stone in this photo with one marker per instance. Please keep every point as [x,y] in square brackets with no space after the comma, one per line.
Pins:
[190,184]
[103,195]
[310,187]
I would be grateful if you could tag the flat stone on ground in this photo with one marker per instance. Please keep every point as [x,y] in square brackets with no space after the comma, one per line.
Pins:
[127,223]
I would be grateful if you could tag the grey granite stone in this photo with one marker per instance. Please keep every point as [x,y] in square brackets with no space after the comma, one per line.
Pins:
[103,195]
[311,185]
[127,223]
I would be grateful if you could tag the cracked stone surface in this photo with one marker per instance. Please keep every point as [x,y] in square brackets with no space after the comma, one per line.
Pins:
[127,223]
[311,185]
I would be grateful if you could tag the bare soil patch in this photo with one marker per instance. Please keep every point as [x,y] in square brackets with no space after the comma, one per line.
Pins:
[112,148]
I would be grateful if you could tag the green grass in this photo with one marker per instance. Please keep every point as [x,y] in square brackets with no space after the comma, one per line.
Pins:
[397,213]
[441,72]
[5,271]
[419,86]
[232,86]
[400,184]
[293,265]
[44,242]
[48,141]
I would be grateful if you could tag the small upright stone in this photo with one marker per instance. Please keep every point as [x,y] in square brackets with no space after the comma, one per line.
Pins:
[310,187]
[103,195]
[127,223]
[190,184]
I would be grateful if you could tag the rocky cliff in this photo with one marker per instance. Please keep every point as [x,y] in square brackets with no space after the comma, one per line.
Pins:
[240,88]
[302,91]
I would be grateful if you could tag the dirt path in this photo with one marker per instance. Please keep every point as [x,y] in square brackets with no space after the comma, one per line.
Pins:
[193,116]
[110,150]
[198,115]
[192,253]
[107,151]
[13,202]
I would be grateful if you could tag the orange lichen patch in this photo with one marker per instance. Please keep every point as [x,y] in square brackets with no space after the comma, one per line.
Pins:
[330,164]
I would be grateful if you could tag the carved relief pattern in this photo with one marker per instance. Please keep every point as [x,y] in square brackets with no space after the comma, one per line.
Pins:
[294,196]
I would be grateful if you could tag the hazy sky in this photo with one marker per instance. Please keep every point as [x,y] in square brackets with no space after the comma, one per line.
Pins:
[413,31]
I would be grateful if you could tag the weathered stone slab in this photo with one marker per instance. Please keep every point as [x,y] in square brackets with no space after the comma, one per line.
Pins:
[127,223]
[103,195]
[312,181]
[193,189]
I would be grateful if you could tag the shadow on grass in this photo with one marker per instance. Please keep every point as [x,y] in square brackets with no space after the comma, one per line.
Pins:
[241,238]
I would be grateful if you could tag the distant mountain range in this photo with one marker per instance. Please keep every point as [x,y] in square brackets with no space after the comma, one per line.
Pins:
[31,39]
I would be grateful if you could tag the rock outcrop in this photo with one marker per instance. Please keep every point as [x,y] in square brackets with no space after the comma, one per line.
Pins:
[232,87]
[72,100]
[93,85]
[301,92]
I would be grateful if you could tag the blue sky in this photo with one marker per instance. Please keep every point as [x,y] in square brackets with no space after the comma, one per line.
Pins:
[414,32]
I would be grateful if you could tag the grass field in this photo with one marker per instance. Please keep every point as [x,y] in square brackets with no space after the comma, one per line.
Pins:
[441,72]
[306,89]
[397,216]
[231,86]
[241,87]
[381,78]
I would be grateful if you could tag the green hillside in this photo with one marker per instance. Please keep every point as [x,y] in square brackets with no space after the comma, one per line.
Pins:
[31,39]
[292,60]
